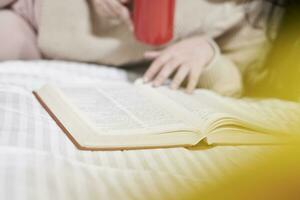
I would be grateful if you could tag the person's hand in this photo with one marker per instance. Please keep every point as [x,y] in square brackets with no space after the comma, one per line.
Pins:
[113,9]
[186,59]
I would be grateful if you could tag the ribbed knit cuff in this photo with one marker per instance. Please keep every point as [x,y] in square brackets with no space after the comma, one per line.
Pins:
[221,75]
[211,69]
[217,53]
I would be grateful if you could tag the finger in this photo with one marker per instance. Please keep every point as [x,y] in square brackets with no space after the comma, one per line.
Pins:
[155,67]
[114,7]
[193,80]
[122,12]
[181,74]
[166,72]
[151,54]
[102,8]
[125,1]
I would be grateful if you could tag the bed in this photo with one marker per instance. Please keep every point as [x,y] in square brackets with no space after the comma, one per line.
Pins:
[37,161]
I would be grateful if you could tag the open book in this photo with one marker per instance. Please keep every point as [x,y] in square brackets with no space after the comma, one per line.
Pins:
[118,115]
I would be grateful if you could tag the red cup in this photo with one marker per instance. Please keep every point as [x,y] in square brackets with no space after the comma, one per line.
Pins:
[153,21]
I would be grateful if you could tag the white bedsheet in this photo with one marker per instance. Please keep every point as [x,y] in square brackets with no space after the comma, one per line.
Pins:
[37,161]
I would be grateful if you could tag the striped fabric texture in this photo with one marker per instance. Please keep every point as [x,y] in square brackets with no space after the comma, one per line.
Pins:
[37,161]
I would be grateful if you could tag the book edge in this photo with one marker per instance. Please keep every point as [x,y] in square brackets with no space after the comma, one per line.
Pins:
[80,147]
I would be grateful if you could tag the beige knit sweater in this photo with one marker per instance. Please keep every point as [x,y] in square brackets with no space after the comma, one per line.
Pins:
[69,30]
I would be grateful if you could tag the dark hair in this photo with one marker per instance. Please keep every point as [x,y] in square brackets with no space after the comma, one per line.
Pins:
[271,18]
[272,14]
[283,64]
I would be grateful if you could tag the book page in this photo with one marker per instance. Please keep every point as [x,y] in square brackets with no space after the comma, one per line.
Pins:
[120,108]
[272,115]
[205,115]
[266,116]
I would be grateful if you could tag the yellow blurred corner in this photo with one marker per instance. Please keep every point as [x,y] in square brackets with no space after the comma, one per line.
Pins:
[275,178]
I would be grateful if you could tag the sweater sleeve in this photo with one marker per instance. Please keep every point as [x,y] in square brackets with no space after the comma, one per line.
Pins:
[248,43]
[221,75]
[241,49]
[236,53]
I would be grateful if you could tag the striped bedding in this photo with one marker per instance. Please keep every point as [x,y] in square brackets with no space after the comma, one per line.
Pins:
[37,161]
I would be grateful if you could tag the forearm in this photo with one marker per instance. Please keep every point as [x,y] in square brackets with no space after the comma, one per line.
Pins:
[4,3]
